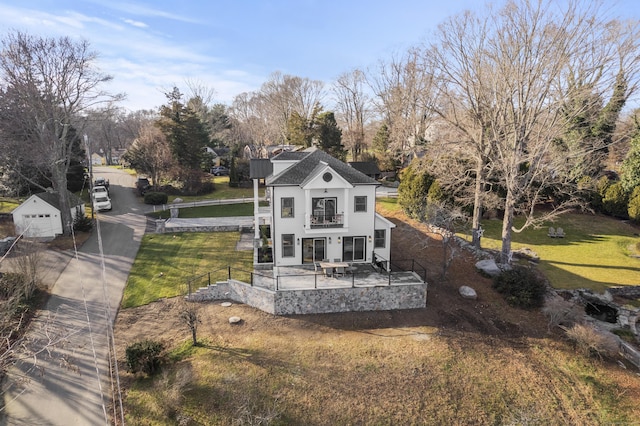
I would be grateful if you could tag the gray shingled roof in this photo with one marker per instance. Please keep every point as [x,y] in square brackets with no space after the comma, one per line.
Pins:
[298,173]
[52,198]
[292,155]
[366,167]
[260,168]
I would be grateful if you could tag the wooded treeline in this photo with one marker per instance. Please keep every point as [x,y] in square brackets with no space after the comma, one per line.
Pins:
[506,110]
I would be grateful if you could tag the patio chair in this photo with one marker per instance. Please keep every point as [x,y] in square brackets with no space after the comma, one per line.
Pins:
[552,232]
[559,233]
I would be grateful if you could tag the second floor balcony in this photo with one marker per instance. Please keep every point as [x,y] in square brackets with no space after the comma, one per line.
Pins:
[326,221]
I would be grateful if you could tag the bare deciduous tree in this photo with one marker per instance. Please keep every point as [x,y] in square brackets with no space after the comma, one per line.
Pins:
[189,313]
[446,221]
[150,153]
[352,103]
[404,93]
[268,110]
[47,84]
[504,82]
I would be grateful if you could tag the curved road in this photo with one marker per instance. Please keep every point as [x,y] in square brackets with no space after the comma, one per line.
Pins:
[69,383]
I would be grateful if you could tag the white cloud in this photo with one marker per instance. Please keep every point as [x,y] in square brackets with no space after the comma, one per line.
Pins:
[145,62]
[140,10]
[136,23]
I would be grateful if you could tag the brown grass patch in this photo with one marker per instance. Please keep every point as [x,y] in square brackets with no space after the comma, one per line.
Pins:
[456,362]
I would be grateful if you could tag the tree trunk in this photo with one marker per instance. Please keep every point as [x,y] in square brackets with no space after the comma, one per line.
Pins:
[477,204]
[445,247]
[507,225]
[59,174]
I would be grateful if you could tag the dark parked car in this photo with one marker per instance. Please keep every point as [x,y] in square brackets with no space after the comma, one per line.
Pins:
[143,185]
[100,181]
[220,171]
[5,245]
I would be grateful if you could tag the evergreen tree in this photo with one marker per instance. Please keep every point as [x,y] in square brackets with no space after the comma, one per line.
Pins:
[630,177]
[329,135]
[187,136]
[299,130]
[414,190]
[381,140]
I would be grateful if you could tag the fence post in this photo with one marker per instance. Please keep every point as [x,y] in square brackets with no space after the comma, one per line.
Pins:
[209,278]
[389,272]
[229,273]
[251,278]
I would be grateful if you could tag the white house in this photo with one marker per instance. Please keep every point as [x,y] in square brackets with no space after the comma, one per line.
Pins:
[39,216]
[320,209]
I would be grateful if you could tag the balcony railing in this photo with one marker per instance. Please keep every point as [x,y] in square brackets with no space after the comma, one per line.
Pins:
[327,221]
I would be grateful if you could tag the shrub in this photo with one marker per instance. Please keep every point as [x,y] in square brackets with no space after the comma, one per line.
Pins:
[81,223]
[591,342]
[615,200]
[561,312]
[633,208]
[412,191]
[155,198]
[144,356]
[521,287]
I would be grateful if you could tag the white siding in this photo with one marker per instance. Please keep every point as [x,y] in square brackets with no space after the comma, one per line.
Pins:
[360,224]
[37,218]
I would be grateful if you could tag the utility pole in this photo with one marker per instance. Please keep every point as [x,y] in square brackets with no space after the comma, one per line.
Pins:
[87,147]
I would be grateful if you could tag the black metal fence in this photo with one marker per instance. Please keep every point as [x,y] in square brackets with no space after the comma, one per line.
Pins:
[360,274]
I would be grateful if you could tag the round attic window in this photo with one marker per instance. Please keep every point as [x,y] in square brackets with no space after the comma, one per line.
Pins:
[327,177]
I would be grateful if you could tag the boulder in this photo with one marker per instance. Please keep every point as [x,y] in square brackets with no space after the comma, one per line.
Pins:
[489,267]
[467,292]
[225,304]
[235,320]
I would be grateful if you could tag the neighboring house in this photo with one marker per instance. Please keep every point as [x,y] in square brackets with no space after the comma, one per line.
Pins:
[266,151]
[215,158]
[369,168]
[98,159]
[39,216]
[116,155]
[320,208]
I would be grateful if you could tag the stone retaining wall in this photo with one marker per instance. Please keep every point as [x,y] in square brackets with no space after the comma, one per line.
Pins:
[219,228]
[317,301]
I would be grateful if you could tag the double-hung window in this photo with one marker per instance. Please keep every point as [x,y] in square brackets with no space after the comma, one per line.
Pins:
[288,247]
[360,204]
[287,207]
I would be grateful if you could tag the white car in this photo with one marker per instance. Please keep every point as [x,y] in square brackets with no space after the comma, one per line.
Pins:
[99,190]
[101,201]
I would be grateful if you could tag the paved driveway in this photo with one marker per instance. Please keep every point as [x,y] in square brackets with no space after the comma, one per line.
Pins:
[70,384]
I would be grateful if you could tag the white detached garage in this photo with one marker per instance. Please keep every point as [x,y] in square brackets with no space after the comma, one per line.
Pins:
[39,216]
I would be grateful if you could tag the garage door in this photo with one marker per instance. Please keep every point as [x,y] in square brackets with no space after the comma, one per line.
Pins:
[39,225]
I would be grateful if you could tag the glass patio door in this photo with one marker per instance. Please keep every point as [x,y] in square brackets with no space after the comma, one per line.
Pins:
[313,250]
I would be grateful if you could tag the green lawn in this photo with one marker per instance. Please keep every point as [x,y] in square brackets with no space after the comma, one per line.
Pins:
[222,210]
[167,262]
[8,204]
[596,253]
[222,192]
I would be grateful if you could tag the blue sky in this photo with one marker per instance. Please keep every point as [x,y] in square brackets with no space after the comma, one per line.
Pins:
[232,46]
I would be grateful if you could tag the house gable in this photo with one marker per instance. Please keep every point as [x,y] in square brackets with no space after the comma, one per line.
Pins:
[39,216]
[300,164]
[323,176]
